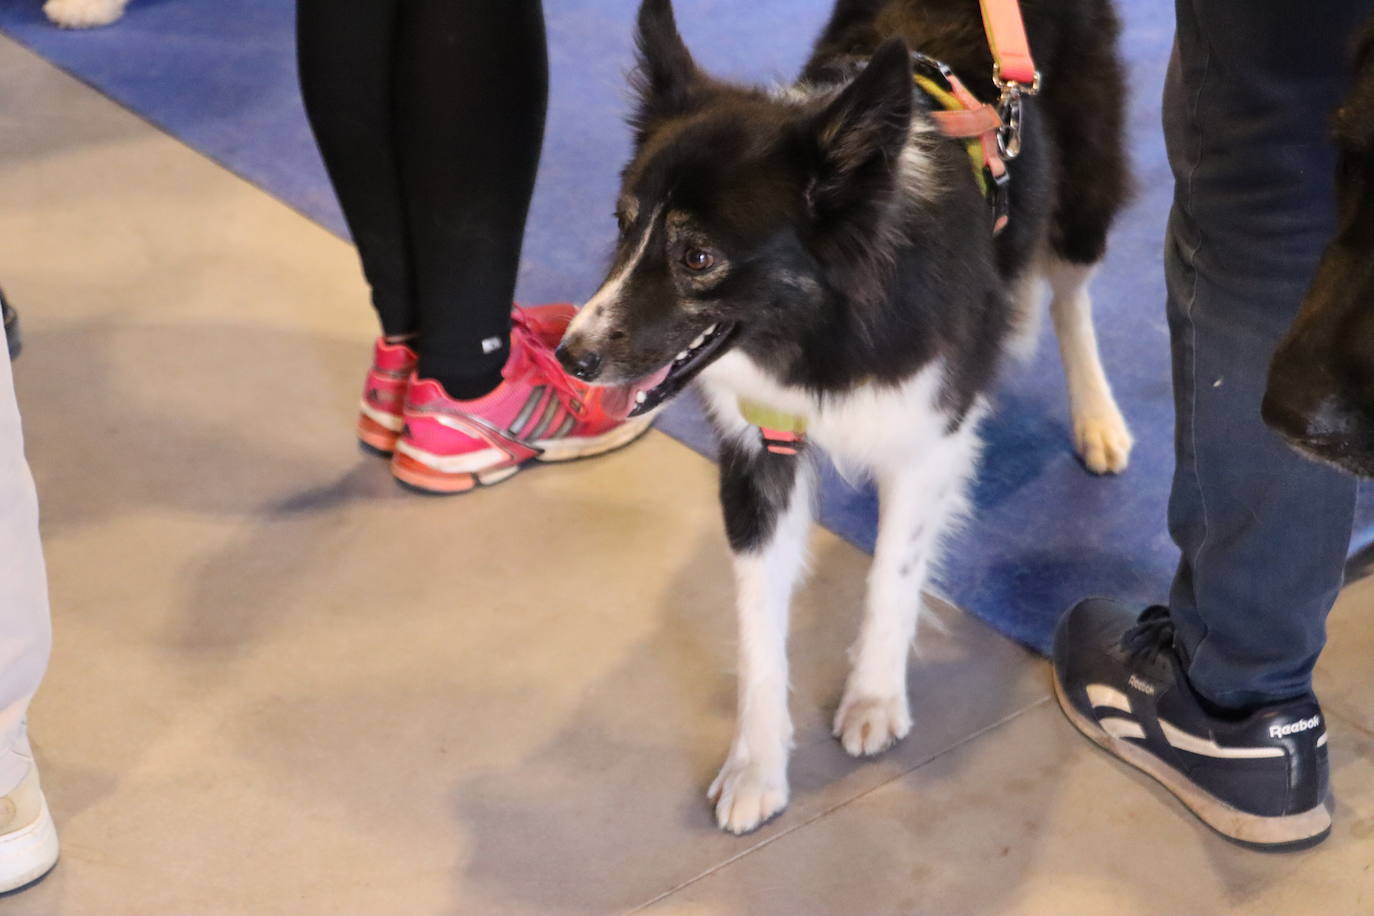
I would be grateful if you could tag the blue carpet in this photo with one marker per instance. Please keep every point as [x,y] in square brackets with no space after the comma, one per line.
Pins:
[220,76]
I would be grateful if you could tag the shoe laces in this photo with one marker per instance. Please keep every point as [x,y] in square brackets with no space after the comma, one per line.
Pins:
[1152,634]
[530,353]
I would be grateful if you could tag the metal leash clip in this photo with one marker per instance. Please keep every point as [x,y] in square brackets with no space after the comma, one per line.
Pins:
[1009,107]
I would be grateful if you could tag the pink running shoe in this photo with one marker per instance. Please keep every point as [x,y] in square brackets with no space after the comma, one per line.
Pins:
[384,396]
[537,413]
[384,392]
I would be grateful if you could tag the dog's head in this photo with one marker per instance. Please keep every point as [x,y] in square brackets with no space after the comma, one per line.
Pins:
[1321,382]
[735,211]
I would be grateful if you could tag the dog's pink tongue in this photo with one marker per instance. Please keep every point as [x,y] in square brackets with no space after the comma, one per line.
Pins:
[650,382]
[618,400]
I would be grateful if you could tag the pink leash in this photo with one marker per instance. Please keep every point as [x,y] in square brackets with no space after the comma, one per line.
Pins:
[997,127]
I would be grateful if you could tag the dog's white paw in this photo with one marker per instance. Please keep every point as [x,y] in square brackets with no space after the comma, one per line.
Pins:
[868,725]
[83,14]
[1103,440]
[747,793]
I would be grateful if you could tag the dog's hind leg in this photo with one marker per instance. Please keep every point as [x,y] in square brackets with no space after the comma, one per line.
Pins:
[917,497]
[1100,434]
[1085,105]
[767,503]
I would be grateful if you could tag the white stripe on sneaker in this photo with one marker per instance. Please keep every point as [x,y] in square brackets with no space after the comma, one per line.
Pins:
[462,463]
[1206,747]
[389,421]
[1121,728]
[1102,695]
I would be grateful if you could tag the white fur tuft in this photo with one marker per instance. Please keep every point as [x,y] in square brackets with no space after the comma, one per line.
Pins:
[84,14]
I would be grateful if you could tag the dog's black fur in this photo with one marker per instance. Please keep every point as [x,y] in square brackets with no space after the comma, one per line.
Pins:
[824,254]
[834,280]
[1320,394]
[1074,43]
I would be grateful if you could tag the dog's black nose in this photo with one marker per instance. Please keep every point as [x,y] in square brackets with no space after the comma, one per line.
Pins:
[586,366]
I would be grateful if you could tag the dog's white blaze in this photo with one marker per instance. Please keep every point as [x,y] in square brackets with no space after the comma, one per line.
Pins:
[593,319]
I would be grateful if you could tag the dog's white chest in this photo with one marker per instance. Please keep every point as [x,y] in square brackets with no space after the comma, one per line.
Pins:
[870,427]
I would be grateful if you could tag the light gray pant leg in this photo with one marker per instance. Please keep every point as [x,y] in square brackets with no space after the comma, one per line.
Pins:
[25,625]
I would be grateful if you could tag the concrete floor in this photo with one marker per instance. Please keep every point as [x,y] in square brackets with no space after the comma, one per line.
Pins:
[283,685]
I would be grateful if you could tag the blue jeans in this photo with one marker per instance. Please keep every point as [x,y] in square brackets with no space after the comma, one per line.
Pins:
[1263,533]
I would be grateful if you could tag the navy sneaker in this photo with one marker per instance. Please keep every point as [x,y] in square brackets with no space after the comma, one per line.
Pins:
[1258,778]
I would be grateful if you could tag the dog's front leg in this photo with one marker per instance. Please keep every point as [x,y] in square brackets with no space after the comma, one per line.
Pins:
[915,503]
[767,503]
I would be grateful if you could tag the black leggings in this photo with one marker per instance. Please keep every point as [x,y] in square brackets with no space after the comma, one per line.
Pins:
[430,116]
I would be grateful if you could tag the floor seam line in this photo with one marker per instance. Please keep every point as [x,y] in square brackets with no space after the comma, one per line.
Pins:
[991,727]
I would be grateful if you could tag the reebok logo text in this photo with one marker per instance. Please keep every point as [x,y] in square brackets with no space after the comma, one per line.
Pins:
[1292,728]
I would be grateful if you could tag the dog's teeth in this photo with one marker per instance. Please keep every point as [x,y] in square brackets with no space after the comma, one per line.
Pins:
[642,397]
[681,356]
[710,330]
[698,342]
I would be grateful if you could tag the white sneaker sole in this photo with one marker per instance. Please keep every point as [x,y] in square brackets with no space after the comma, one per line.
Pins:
[428,473]
[29,853]
[1292,830]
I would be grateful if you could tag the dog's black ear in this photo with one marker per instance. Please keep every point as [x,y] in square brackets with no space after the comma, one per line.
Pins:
[666,76]
[860,134]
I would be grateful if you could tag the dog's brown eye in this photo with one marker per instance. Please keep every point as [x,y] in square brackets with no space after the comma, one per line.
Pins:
[697,259]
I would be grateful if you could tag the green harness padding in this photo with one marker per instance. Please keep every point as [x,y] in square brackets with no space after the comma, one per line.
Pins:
[763,417]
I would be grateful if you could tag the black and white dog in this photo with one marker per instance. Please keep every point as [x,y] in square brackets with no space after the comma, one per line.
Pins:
[823,251]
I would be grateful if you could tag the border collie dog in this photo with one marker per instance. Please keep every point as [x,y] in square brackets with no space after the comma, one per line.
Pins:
[824,253]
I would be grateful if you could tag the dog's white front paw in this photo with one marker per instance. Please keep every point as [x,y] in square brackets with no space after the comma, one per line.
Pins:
[868,725]
[1103,440]
[83,14]
[747,793]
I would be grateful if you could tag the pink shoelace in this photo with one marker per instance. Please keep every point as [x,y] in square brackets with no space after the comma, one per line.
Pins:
[528,351]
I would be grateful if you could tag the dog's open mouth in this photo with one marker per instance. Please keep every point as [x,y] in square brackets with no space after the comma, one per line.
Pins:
[668,381]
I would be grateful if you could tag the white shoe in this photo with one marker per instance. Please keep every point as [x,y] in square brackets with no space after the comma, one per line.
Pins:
[28,839]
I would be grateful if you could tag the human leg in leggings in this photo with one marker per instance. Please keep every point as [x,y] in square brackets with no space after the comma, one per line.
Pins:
[430,116]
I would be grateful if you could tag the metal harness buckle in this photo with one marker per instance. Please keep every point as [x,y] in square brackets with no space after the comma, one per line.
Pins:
[998,187]
[1009,107]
